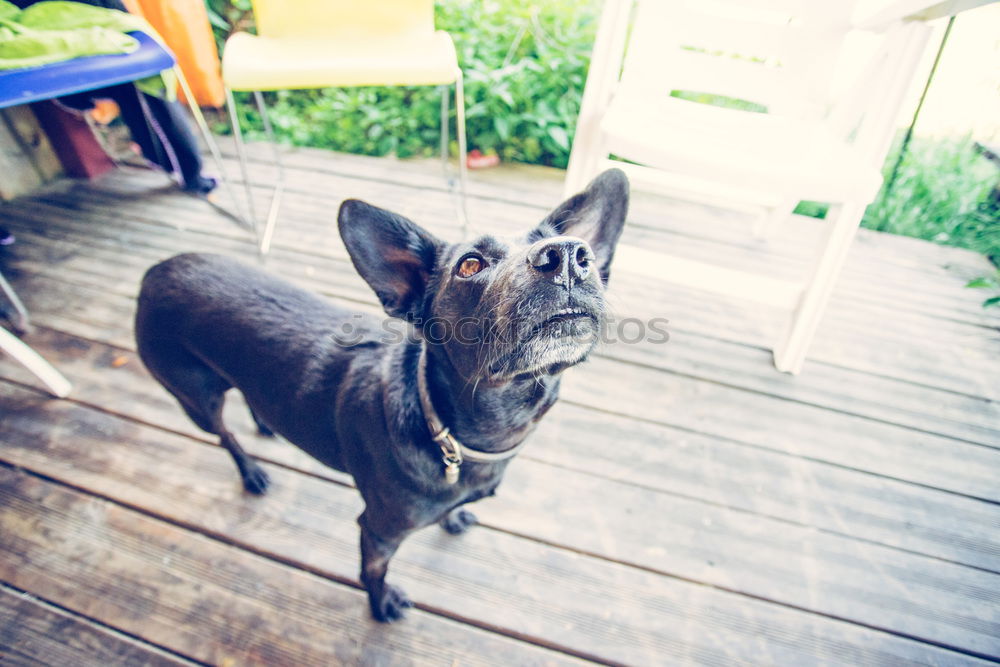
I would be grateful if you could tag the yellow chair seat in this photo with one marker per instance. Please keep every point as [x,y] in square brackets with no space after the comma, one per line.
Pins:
[251,62]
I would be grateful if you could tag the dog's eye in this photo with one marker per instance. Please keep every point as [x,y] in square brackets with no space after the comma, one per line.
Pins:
[470,266]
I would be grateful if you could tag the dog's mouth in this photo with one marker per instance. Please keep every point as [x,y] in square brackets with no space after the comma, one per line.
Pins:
[565,321]
[557,341]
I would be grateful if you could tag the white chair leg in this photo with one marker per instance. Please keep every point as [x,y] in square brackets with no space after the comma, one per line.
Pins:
[790,353]
[58,385]
[23,321]
[279,187]
[766,223]
[213,146]
[463,171]
[241,153]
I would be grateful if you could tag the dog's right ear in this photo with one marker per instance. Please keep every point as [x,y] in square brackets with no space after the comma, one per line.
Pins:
[394,255]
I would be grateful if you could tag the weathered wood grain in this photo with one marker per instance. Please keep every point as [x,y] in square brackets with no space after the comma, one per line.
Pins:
[500,579]
[308,216]
[715,471]
[957,415]
[932,352]
[35,633]
[815,509]
[706,407]
[208,600]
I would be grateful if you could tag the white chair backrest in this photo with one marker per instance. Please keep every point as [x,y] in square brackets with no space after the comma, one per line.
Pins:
[777,53]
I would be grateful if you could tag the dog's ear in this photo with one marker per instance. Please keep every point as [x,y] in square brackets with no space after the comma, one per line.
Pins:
[394,255]
[596,215]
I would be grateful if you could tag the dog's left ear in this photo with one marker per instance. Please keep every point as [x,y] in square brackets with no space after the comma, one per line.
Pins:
[596,215]
[394,255]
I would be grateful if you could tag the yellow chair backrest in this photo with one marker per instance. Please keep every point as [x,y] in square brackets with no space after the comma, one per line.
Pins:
[356,19]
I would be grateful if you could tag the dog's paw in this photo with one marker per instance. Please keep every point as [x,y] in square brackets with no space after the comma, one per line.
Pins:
[255,480]
[391,606]
[458,521]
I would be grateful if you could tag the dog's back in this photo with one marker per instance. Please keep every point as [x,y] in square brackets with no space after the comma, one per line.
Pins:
[206,323]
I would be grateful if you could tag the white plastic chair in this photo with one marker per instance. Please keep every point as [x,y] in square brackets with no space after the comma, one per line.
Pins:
[57,385]
[321,43]
[781,54]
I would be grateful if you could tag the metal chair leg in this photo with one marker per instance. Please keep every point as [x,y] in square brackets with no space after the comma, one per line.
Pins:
[279,188]
[241,153]
[213,146]
[445,94]
[462,150]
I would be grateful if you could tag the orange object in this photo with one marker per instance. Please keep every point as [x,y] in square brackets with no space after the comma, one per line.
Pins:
[105,111]
[184,26]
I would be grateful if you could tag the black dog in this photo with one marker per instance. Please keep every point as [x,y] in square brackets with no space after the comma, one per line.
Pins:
[426,423]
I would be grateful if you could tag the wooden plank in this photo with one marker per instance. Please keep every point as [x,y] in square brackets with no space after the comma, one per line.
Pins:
[33,632]
[784,426]
[309,203]
[689,465]
[849,331]
[867,450]
[299,229]
[965,417]
[582,603]
[206,599]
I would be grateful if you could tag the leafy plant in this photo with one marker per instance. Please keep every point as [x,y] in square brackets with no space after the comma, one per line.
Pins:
[988,282]
[938,194]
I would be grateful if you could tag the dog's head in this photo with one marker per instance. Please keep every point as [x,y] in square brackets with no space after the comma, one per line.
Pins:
[501,308]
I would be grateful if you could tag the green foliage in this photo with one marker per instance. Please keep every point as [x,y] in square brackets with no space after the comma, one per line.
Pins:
[719,101]
[937,193]
[525,66]
[988,282]
[941,194]
[228,16]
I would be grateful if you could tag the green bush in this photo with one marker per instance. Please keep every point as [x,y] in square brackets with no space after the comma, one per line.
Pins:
[525,66]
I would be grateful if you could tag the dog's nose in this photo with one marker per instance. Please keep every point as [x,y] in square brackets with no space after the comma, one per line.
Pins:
[565,259]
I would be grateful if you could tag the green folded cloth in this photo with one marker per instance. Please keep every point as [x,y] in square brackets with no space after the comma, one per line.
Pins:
[53,31]
[57,30]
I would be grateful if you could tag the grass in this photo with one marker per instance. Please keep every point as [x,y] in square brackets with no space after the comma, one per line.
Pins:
[941,193]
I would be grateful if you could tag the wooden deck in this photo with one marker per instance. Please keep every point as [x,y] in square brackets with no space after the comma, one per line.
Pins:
[684,503]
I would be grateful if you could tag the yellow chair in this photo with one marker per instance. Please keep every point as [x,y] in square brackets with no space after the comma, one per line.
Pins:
[322,43]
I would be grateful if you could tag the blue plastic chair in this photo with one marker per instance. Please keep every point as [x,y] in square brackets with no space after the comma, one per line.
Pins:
[31,84]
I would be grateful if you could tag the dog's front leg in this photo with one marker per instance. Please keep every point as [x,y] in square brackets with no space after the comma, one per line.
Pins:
[458,520]
[388,602]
